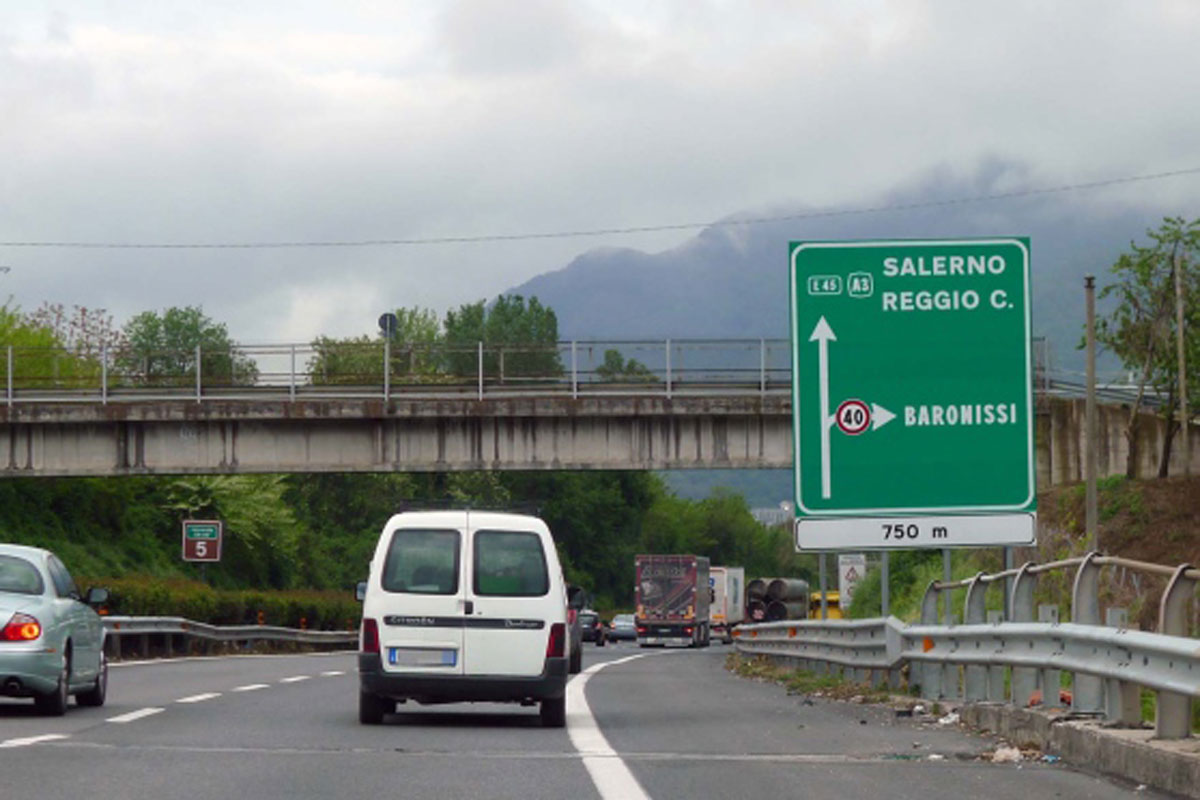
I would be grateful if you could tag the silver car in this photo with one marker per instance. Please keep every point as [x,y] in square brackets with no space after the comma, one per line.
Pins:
[51,640]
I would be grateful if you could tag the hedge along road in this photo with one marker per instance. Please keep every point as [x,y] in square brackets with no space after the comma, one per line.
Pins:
[666,724]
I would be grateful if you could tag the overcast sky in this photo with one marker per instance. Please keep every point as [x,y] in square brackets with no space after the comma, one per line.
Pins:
[211,122]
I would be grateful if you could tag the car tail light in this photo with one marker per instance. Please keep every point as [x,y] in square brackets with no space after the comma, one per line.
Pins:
[21,628]
[687,631]
[370,635]
[641,629]
[558,638]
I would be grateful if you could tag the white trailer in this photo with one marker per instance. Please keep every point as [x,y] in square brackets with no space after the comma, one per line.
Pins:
[728,600]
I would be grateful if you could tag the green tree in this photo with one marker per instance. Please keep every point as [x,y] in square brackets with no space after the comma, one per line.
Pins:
[262,535]
[1141,329]
[161,348]
[616,369]
[520,339]
[414,352]
[40,360]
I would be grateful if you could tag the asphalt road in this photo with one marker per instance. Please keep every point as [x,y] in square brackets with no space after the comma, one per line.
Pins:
[658,724]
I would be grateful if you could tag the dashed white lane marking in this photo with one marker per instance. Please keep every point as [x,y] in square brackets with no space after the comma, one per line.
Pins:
[295,679]
[133,716]
[611,776]
[199,698]
[28,740]
[251,687]
[333,673]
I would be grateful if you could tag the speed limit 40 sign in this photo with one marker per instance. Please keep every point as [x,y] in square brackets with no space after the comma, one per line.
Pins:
[202,540]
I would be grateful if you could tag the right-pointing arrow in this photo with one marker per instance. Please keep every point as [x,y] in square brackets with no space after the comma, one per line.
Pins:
[880,416]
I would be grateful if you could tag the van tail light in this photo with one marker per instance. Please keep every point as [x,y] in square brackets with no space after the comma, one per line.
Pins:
[21,628]
[556,645]
[370,635]
[687,631]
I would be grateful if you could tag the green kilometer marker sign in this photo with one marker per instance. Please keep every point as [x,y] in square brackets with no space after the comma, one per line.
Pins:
[913,416]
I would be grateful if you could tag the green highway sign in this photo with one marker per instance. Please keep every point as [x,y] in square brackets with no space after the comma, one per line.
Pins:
[913,417]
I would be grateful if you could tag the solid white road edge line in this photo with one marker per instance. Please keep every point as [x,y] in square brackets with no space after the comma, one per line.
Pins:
[199,698]
[608,772]
[133,716]
[28,740]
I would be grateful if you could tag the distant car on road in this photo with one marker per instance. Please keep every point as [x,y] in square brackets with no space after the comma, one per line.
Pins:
[623,627]
[51,639]
[593,627]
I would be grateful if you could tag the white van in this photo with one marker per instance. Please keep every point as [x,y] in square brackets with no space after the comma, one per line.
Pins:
[463,606]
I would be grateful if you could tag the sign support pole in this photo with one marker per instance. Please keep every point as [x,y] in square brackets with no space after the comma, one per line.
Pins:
[824,599]
[885,599]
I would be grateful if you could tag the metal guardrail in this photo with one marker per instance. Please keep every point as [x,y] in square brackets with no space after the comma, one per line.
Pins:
[990,659]
[118,628]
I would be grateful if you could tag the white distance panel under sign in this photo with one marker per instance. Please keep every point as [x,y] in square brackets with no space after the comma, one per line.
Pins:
[885,533]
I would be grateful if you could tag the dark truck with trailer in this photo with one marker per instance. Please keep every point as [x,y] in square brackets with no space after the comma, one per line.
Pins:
[672,598]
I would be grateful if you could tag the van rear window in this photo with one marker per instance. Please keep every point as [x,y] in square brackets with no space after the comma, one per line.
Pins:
[510,564]
[422,562]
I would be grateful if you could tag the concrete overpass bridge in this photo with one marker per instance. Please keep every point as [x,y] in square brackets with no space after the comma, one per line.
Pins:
[336,407]
[297,408]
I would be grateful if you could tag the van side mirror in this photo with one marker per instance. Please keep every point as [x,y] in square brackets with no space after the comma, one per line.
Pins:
[576,597]
[360,591]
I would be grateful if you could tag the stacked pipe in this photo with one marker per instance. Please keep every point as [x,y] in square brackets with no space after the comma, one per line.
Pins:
[786,598]
[756,603]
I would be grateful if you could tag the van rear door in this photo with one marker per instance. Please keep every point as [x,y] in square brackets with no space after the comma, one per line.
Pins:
[510,591]
[421,629]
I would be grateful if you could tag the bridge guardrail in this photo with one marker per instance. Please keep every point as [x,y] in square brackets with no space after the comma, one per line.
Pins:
[998,660]
[328,369]
[117,628]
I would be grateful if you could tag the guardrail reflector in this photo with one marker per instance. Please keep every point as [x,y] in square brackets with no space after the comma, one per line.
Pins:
[791,633]
[927,644]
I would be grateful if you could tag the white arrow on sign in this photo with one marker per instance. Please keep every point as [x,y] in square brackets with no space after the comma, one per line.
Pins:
[880,416]
[823,335]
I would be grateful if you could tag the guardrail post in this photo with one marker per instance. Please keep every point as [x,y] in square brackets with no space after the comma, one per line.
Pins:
[292,377]
[929,674]
[1024,679]
[10,376]
[1123,700]
[1087,691]
[1173,712]
[762,372]
[198,372]
[668,369]
[996,672]
[975,613]
[574,372]
[480,364]
[1051,678]
[103,374]
[387,367]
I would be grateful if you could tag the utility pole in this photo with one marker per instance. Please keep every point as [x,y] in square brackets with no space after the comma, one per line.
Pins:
[1184,410]
[1090,514]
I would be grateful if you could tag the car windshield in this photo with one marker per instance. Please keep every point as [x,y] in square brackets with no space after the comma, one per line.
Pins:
[587,618]
[623,618]
[18,576]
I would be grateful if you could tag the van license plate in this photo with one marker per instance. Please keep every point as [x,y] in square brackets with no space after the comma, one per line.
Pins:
[422,657]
